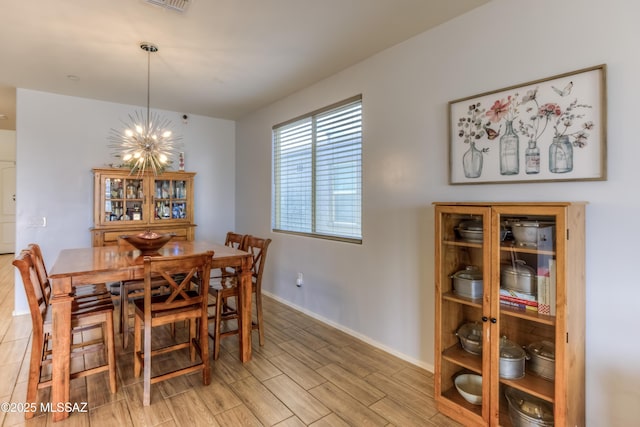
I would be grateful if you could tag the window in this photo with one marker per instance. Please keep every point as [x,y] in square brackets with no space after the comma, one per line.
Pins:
[317,173]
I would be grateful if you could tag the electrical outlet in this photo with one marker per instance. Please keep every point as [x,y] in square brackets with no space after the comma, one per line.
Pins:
[300,280]
[36,221]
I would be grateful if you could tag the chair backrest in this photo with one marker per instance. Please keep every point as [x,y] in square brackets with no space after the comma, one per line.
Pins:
[180,272]
[41,269]
[235,240]
[30,279]
[258,248]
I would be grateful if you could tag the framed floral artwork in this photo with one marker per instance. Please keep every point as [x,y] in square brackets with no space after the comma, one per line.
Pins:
[552,129]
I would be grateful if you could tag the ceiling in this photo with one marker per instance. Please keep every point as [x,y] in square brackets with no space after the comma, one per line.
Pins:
[219,58]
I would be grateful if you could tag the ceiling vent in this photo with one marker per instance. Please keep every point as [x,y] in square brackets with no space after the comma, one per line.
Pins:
[176,5]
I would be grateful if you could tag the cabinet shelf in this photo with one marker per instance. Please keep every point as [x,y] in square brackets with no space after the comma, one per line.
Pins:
[452,395]
[527,315]
[473,302]
[510,247]
[456,354]
[463,243]
[556,267]
[533,385]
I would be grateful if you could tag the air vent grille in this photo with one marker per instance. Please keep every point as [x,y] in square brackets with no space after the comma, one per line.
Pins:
[177,5]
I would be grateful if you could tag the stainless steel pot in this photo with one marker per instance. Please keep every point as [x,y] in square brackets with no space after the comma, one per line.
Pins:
[542,359]
[533,234]
[470,230]
[528,411]
[470,335]
[468,282]
[518,277]
[512,359]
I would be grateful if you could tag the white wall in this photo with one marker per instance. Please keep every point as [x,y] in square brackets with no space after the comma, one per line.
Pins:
[383,290]
[7,144]
[61,138]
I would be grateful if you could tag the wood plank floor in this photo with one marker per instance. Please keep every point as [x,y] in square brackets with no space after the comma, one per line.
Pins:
[306,374]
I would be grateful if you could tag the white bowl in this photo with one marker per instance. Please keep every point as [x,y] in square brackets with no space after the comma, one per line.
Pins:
[470,387]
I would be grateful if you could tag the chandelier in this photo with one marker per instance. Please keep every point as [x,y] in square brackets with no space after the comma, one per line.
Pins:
[147,143]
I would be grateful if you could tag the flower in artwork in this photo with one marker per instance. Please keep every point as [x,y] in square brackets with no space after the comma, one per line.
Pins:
[565,121]
[504,109]
[539,120]
[470,128]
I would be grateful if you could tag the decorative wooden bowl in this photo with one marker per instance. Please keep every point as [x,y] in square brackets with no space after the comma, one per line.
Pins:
[148,242]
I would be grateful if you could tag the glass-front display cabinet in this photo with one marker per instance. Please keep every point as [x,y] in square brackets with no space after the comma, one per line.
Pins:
[510,304]
[126,203]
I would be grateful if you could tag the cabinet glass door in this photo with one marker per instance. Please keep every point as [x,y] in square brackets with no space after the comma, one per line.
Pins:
[170,201]
[527,304]
[123,199]
[463,278]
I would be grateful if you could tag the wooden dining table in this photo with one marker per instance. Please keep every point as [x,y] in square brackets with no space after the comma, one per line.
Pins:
[85,266]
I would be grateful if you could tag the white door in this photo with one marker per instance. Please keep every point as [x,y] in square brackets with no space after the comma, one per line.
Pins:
[8,206]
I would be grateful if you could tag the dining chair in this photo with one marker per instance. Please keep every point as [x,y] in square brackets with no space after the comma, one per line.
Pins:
[232,240]
[87,293]
[85,318]
[227,287]
[130,290]
[181,303]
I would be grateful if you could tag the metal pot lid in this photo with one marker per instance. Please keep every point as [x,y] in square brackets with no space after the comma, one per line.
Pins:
[510,350]
[471,225]
[525,224]
[543,349]
[529,406]
[470,331]
[519,268]
[471,272]
[536,224]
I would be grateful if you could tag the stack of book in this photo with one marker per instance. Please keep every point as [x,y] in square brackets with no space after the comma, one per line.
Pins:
[518,300]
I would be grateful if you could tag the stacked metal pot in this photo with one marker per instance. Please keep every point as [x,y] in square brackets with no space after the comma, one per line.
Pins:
[518,277]
[512,359]
[528,411]
[470,335]
[543,359]
[468,282]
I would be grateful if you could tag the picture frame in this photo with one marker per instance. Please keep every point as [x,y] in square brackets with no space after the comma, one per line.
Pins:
[551,129]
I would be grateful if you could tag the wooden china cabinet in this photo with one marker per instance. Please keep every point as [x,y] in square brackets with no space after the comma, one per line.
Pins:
[128,203]
[481,236]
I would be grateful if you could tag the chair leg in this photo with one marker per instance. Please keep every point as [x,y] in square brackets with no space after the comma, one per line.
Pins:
[259,315]
[111,352]
[146,399]
[37,351]
[192,337]
[204,348]
[136,346]
[217,324]
[124,315]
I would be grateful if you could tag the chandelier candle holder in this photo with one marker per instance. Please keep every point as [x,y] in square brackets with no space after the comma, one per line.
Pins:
[147,142]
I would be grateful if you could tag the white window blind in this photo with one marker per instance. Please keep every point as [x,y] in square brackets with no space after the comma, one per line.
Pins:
[317,183]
